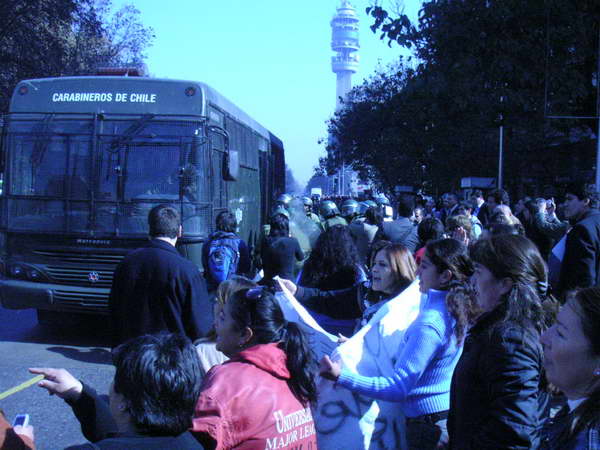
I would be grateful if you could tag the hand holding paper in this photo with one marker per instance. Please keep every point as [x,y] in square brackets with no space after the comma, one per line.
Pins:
[289,285]
[329,369]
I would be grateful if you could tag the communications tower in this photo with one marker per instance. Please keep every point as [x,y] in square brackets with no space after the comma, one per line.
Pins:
[344,41]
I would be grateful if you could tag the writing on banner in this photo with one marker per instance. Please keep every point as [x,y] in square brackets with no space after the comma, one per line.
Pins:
[344,419]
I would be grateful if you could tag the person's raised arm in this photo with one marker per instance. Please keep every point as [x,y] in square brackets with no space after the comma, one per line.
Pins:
[338,303]
[91,411]
[59,382]
[553,227]
[413,359]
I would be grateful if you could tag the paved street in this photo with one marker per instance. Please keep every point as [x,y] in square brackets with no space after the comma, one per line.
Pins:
[83,350]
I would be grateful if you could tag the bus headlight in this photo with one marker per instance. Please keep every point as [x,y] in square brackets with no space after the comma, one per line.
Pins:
[24,272]
[15,270]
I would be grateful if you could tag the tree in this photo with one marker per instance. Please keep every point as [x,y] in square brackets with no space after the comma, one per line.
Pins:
[291,185]
[364,133]
[42,38]
[482,64]
[391,131]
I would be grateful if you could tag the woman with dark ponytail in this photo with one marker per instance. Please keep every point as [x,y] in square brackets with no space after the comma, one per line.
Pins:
[261,397]
[498,398]
[572,363]
[432,346]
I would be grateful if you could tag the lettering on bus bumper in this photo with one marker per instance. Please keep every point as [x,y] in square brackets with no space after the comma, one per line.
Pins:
[93,241]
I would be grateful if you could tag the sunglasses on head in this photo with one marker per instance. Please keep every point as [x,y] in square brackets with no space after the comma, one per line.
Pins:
[255,293]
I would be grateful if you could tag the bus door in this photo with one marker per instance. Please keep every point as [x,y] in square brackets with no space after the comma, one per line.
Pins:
[265,180]
[219,193]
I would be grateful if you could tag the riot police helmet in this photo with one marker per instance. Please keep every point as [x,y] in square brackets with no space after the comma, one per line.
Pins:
[349,207]
[362,208]
[279,209]
[382,200]
[284,199]
[329,209]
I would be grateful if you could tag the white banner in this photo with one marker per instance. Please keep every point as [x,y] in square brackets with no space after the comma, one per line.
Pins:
[346,420]
[321,342]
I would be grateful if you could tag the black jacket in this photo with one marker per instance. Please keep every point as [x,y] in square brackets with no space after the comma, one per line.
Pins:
[483,215]
[279,256]
[581,264]
[156,289]
[338,304]
[445,213]
[497,397]
[98,426]
[400,231]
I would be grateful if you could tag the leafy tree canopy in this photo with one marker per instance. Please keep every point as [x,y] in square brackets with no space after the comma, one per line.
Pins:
[477,64]
[47,38]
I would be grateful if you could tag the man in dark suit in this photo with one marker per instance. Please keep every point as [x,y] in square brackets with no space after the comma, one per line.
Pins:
[581,263]
[402,230]
[450,206]
[154,288]
[494,198]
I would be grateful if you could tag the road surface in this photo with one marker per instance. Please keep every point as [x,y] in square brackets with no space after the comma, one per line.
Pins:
[83,350]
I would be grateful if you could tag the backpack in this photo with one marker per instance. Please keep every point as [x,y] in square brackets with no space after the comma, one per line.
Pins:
[223,258]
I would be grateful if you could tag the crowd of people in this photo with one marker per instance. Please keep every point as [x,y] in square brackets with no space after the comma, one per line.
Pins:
[504,352]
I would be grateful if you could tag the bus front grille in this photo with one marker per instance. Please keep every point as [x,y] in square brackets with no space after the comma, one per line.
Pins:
[81,301]
[82,276]
[80,257]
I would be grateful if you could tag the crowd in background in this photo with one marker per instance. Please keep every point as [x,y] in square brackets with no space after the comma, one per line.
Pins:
[503,353]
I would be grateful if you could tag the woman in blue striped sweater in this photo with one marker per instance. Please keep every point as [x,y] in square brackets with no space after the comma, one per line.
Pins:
[432,347]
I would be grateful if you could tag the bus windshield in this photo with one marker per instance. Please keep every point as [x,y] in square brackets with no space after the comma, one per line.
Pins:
[103,176]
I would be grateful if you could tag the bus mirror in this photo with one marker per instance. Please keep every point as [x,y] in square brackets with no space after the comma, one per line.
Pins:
[231,166]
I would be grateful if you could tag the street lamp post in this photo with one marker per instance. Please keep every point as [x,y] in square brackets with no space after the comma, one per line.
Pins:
[500,145]
[598,116]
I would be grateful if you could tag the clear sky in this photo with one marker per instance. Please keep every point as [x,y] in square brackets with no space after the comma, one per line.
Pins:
[269,57]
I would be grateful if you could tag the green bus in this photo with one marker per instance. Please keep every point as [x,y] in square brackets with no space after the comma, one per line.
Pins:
[85,158]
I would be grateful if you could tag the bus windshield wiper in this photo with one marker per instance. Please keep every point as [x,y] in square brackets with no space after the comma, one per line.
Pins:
[134,129]
[42,141]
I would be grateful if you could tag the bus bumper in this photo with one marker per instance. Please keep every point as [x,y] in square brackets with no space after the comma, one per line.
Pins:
[19,294]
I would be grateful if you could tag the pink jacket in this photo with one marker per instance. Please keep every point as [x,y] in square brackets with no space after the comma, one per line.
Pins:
[246,404]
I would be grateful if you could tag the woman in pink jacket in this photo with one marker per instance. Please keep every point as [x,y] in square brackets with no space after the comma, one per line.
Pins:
[261,397]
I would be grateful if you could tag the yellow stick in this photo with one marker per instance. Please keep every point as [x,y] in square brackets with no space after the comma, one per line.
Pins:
[22,386]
